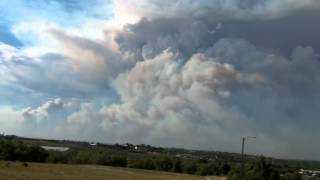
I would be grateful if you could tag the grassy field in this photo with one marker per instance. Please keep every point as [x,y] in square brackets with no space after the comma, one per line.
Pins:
[18,171]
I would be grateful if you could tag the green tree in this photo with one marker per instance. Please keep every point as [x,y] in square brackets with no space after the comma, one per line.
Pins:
[13,151]
[119,161]
[225,168]
[190,167]
[204,170]
[177,167]
[143,163]
[260,170]
[164,163]
[291,176]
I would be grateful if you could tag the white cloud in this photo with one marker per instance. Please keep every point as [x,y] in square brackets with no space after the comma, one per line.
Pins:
[162,101]
[91,58]
[42,112]
[181,80]
[211,100]
[10,120]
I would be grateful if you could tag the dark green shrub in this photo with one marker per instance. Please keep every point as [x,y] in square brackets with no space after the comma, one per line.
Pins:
[260,170]
[177,167]
[164,164]
[18,151]
[119,161]
[57,157]
[291,176]
[225,168]
[190,167]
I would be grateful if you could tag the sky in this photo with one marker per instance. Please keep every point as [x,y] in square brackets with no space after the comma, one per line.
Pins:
[188,74]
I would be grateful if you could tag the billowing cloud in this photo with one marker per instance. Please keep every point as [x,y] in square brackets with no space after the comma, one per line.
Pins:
[213,99]
[42,112]
[46,76]
[93,59]
[195,74]
[165,98]
[217,9]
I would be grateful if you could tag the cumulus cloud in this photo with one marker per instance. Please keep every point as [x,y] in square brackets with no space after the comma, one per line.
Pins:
[43,120]
[231,90]
[190,33]
[198,75]
[92,58]
[46,76]
[42,112]
[159,94]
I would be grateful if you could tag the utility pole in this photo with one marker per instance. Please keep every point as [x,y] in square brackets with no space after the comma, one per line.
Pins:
[242,152]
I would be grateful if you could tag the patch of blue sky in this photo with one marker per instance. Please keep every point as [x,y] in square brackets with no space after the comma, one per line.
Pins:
[55,10]
[25,17]
[21,22]
[7,37]
[17,97]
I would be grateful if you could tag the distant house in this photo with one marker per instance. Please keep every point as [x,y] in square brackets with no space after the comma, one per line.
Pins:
[93,144]
[309,173]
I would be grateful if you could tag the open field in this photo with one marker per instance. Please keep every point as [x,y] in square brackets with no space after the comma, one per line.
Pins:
[17,171]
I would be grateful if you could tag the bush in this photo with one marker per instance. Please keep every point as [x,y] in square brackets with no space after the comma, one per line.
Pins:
[164,164]
[177,167]
[119,161]
[7,150]
[36,154]
[81,157]
[225,169]
[260,170]
[190,167]
[18,151]
[57,157]
[204,170]
[291,176]
[103,159]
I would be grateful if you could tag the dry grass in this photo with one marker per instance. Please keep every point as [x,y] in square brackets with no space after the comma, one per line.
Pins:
[18,171]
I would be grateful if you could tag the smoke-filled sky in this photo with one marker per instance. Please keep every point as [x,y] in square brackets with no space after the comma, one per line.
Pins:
[190,74]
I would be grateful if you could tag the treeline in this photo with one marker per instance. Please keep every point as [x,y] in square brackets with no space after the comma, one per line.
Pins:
[139,161]
[261,169]
[11,150]
[18,151]
[78,156]
[167,163]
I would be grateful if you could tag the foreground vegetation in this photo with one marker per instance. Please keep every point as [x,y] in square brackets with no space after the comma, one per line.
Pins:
[259,169]
[18,151]
[262,170]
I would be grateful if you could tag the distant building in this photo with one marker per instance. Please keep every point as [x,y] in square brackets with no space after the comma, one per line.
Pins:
[93,144]
[309,173]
